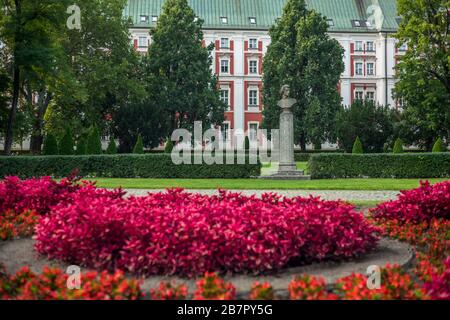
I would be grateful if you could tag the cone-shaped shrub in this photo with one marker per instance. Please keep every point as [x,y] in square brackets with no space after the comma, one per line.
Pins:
[66,143]
[50,145]
[81,146]
[438,146]
[112,148]
[169,146]
[94,143]
[398,146]
[247,143]
[139,146]
[357,147]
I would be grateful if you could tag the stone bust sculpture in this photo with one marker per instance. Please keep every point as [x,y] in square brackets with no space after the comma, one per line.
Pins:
[285,91]
[286,103]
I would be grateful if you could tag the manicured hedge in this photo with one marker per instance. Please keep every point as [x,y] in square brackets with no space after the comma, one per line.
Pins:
[304,156]
[120,166]
[419,165]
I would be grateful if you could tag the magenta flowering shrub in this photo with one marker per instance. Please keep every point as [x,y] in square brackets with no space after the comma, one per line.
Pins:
[417,205]
[41,194]
[439,286]
[189,234]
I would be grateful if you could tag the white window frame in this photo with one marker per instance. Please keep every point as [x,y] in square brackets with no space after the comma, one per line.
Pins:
[371,93]
[253,134]
[253,98]
[143,18]
[224,20]
[224,66]
[253,69]
[252,20]
[253,43]
[359,71]
[372,49]
[370,71]
[142,42]
[359,94]
[154,18]
[224,43]
[226,97]
[359,46]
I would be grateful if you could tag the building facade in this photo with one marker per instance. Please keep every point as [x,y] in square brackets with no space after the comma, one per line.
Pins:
[239,31]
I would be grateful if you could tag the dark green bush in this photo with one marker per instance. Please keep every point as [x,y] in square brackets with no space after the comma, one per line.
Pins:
[81,146]
[94,143]
[66,143]
[121,166]
[50,145]
[389,165]
[112,148]
[374,124]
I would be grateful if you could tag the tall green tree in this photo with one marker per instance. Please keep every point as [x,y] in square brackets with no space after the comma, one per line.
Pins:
[180,69]
[104,70]
[29,29]
[94,142]
[303,56]
[66,143]
[424,71]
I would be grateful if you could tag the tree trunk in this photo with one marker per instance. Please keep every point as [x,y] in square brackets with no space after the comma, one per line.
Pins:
[16,85]
[13,112]
[37,137]
[303,143]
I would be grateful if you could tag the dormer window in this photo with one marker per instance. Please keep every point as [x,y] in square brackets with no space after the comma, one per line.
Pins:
[356,23]
[330,22]
[368,24]
[154,18]
[143,18]
[252,20]
[224,20]
[195,19]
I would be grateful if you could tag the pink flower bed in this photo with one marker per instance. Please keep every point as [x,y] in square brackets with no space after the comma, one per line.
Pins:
[189,234]
[41,194]
[418,205]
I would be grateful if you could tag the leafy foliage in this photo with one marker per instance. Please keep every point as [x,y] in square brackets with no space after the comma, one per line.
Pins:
[227,232]
[94,143]
[424,71]
[50,145]
[66,143]
[373,124]
[179,70]
[112,148]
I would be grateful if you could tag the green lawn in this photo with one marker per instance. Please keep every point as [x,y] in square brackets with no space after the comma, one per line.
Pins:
[258,184]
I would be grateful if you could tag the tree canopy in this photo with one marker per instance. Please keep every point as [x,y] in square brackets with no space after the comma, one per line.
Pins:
[303,56]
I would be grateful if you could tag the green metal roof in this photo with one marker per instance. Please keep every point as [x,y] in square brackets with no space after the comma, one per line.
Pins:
[238,12]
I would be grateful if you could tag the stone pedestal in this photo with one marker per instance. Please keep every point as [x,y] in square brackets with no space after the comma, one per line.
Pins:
[287,169]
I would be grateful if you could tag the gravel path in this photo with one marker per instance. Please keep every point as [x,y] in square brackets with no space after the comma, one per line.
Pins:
[324,194]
